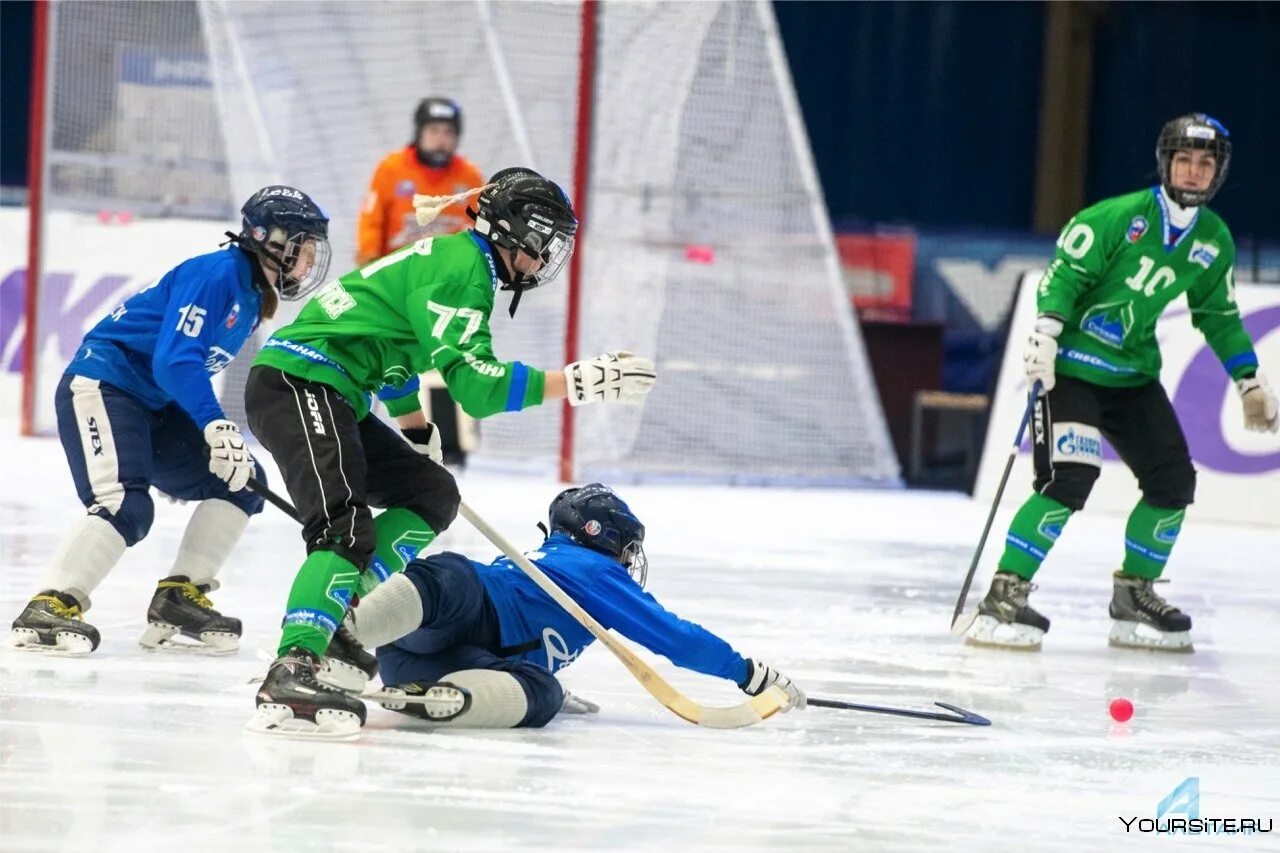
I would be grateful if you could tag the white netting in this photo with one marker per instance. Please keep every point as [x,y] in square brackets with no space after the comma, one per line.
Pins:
[705,245]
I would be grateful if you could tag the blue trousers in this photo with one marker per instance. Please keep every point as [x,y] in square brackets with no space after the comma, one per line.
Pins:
[117,449]
[460,631]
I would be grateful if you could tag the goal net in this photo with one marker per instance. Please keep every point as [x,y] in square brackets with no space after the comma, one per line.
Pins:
[705,240]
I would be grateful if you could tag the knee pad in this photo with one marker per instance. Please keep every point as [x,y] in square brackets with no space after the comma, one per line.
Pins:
[1069,483]
[134,517]
[543,692]
[1171,486]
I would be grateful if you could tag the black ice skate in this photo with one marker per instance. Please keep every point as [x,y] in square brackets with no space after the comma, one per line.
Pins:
[292,702]
[347,665]
[1005,620]
[179,608]
[53,622]
[438,703]
[1144,620]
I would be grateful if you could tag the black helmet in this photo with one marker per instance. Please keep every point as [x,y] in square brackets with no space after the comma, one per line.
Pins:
[436,109]
[524,211]
[595,517]
[1195,130]
[279,224]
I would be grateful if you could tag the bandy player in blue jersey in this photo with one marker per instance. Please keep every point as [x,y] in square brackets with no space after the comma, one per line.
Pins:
[482,643]
[136,408]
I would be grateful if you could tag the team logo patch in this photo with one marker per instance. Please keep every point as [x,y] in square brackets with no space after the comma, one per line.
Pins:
[1108,323]
[405,188]
[592,528]
[1073,442]
[1051,522]
[1203,254]
[1167,529]
[233,316]
[1137,227]
[334,300]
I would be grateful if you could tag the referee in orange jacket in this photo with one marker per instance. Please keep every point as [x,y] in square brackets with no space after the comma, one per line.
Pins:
[429,165]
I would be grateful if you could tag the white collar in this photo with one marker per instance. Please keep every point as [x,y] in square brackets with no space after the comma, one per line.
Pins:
[1179,217]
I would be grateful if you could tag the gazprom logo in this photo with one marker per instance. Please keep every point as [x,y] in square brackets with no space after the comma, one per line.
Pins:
[1073,442]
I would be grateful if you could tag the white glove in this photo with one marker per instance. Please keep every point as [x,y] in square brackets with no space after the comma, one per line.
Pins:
[425,440]
[229,461]
[577,705]
[761,677]
[1041,352]
[615,377]
[1260,405]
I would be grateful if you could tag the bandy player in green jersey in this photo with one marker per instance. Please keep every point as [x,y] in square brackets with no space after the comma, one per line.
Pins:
[423,307]
[1119,264]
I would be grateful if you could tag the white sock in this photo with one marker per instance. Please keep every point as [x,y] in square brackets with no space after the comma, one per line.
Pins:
[85,557]
[214,529]
[391,611]
[497,699]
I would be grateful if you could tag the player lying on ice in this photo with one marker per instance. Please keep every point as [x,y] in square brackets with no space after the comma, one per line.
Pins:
[136,409]
[375,330]
[1119,265]
[482,643]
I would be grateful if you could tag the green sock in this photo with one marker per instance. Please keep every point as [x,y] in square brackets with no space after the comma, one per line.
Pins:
[1032,533]
[401,534]
[318,600]
[1149,538]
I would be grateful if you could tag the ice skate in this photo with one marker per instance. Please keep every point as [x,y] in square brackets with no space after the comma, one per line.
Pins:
[438,703]
[347,665]
[1005,620]
[53,622]
[181,618]
[1141,619]
[292,702]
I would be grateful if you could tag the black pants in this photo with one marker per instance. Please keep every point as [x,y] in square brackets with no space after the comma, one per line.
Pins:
[335,467]
[1139,422]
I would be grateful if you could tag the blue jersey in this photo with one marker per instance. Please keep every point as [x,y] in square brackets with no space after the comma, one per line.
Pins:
[164,344]
[604,589]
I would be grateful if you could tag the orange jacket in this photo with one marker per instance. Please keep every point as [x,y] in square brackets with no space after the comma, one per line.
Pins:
[386,218]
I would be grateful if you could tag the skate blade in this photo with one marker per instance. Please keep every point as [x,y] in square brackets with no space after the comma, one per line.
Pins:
[1139,635]
[991,633]
[274,720]
[342,675]
[159,636]
[439,703]
[68,643]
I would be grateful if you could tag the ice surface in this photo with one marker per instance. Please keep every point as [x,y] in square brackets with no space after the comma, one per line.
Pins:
[849,592]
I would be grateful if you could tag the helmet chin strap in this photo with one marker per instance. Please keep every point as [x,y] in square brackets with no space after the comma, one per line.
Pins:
[513,280]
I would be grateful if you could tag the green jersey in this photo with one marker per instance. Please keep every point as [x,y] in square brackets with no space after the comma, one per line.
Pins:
[1118,265]
[422,307]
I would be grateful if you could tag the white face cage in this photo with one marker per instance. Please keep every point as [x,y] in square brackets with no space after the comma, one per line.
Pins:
[303,249]
[636,563]
[555,255]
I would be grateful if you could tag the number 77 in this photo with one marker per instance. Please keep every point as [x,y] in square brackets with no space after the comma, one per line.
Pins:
[445,315]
